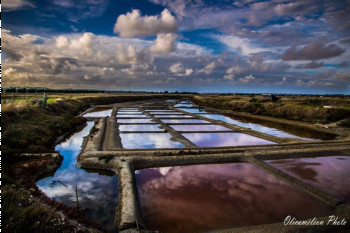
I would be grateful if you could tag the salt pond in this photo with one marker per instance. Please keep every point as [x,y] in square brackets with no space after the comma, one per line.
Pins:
[97,190]
[206,197]
[330,174]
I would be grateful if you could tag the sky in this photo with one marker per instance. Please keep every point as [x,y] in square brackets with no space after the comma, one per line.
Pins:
[236,46]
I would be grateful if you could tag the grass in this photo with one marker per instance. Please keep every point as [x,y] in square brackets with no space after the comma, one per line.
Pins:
[308,109]
[27,127]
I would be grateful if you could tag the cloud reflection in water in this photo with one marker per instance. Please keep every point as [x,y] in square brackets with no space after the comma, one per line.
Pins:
[224,139]
[206,197]
[321,172]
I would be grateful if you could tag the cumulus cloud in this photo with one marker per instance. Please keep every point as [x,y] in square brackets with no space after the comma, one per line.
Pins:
[248,79]
[133,24]
[82,46]
[128,54]
[313,51]
[164,44]
[62,42]
[208,69]
[310,65]
[232,71]
[11,5]
[179,70]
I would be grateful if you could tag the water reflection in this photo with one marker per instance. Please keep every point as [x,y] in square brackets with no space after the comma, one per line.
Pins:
[98,194]
[128,109]
[330,174]
[255,127]
[134,121]
[173,116]
[154,127]
[167,113]
[135,112]
[183,105]
[148,141]
[224,139]
[193,110]
[159,110]
[196,121]
[132,115]
[206,197]
[199,128]
[99,112]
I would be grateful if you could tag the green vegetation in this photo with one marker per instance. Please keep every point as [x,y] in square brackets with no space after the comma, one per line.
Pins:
[29,127]
[301,108]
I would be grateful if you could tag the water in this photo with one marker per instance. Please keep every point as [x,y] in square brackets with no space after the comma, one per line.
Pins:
[132,113]
[224,139]
[193,110]
[199,128]
[154,127]
[173,116]
[330,174]
[207,197]
[184,105]
[160,110]
[195,121]
[128,109]
[166,113]
[148,141]
[134,121]
[132,116]
[253,126]
[98,193]
[99,112]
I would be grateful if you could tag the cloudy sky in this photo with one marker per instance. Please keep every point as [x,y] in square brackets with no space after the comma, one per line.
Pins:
[184,45]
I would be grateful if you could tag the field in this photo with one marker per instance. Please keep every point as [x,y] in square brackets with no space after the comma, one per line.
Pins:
[29,127]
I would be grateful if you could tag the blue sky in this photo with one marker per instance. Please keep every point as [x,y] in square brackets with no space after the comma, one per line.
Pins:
[184,45]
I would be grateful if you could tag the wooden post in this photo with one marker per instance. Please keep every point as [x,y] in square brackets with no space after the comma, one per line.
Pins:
[12,96]
[76,193]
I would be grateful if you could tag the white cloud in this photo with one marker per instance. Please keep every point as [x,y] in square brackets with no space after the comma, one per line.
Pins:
[9,71]
[241,45]
[133,24]
[235,70]
[232,71]
[229,77]
[164,44]
[11,5]
[84,42]
[208,69]
[62,42]
[128,54]
[248,79]
[179,70]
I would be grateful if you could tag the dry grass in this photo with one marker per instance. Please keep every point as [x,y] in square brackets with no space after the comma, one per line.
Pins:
[301,108]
